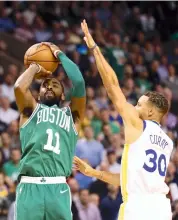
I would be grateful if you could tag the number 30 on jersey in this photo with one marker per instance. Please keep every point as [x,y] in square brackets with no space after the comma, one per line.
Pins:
[155,163]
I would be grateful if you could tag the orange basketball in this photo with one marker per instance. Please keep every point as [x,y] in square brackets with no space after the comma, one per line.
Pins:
[42,55]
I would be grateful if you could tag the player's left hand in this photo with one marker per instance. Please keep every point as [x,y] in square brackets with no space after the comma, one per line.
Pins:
[52,47]
[83,167]
[88,38]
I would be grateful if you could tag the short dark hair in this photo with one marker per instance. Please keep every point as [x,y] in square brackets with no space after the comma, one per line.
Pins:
[159,101]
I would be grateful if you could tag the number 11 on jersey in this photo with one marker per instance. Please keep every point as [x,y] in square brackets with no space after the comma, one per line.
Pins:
[48,145]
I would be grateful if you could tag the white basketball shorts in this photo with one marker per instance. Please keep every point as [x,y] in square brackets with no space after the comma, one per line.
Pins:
[154,207]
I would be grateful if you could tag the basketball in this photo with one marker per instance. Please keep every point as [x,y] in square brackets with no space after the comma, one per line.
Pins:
[42,55]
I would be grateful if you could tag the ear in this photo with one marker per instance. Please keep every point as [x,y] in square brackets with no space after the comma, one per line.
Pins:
[38,98]
[150,112]
[63,97]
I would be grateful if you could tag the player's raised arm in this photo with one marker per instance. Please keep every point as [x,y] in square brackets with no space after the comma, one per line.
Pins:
[78,101]
[24,98]
[110,81]
[108,177]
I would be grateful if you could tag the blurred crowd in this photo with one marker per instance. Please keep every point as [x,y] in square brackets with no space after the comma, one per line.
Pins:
[131,38]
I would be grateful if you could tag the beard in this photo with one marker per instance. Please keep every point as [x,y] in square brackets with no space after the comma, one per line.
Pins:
[50,101]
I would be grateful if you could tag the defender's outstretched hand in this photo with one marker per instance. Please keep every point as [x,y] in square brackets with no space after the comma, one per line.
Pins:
[83,167]
[88,38]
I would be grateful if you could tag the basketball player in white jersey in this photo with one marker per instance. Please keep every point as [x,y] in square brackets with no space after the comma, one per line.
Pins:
[146,153]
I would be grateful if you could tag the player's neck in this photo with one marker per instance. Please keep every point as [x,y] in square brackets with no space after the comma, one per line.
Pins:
[156,122]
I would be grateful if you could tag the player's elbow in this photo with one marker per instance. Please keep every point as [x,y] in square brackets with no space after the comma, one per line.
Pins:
[19,89]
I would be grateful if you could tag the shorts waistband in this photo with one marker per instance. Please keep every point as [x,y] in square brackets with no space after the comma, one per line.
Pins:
[43,180]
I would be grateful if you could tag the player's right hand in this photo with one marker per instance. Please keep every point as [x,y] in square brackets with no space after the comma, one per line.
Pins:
[83,167]
[41,72]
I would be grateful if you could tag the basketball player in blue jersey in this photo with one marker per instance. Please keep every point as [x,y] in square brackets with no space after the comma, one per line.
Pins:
[146,153]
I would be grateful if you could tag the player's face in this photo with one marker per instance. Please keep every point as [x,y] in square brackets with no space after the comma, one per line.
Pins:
[51,92]
[143,107]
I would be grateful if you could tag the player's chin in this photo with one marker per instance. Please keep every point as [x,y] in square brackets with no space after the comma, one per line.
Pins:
[50,101]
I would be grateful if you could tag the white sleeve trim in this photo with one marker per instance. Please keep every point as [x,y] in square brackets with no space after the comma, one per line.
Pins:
[73,124]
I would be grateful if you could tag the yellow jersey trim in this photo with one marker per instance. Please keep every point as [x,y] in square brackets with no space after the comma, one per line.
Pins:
[124,172]
[124,180]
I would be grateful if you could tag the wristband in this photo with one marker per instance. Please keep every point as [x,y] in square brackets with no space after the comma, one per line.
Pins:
[38,66]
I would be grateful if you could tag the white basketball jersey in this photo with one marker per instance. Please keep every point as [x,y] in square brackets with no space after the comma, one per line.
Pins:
[145,162]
